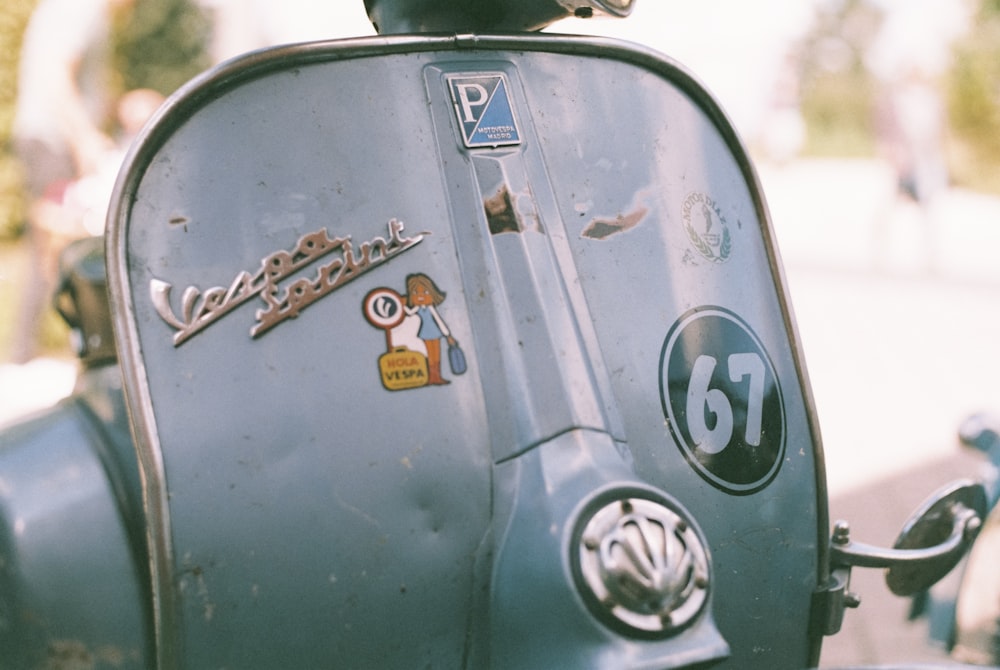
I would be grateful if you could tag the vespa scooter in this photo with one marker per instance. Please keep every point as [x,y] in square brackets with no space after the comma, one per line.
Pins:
[462,346]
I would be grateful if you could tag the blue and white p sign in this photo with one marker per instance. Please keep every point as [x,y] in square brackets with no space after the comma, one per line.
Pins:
[483,109]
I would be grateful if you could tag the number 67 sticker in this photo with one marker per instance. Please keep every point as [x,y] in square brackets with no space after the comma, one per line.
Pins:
[722,400]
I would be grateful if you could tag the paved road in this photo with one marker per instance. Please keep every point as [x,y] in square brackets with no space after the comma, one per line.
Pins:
[900,336]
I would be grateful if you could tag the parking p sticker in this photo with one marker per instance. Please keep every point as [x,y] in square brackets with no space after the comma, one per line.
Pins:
[722,401]
[483,109]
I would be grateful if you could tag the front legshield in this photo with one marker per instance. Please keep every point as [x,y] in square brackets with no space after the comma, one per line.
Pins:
[463,352]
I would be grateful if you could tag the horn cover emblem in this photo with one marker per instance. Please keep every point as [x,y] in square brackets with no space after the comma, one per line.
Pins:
[641,566]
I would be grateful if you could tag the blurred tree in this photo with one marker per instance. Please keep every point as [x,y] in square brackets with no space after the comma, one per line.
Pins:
[157,44]
[974,103]
[160,44]
[13,18]
[839,92]
[836,86]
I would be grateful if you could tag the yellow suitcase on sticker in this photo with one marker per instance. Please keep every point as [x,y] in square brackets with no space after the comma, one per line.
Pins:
[402,369]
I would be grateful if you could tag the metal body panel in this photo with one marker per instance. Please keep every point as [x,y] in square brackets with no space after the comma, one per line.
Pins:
[73,582]
[306,501]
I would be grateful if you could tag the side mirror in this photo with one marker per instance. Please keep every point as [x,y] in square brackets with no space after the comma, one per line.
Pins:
[931,543]
[943,528]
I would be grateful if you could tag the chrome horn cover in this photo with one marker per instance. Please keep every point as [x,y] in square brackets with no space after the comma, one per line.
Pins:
[641,565]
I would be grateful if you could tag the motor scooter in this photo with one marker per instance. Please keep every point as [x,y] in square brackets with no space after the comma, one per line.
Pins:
[463,346]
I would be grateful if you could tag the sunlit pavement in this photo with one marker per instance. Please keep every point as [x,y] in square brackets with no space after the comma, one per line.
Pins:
[30,387]
[899,319]
[900,322]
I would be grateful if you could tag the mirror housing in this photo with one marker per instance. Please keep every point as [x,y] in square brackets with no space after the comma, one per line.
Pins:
[932,542]
[427,16]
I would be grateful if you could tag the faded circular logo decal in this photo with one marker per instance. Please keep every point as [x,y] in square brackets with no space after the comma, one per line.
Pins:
[707,229]
[383,308]
[722,400]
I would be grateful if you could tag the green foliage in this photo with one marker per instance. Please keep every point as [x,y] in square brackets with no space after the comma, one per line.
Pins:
[160,44]
[13,18]
[974,104]
[837,92]
[837,107]
[156,44]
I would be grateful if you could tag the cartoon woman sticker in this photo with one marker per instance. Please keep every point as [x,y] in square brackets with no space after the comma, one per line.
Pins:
[422,298]
[413,333]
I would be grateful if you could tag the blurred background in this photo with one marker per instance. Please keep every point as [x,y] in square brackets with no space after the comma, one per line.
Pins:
[875,128]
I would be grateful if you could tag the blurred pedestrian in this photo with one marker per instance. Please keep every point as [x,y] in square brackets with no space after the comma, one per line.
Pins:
[87,198]
[909,59]
[58,135]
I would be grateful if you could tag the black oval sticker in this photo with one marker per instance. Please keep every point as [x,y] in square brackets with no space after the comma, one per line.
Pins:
[722,401]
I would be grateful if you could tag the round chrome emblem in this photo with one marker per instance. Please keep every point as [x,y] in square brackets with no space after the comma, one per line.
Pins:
[641,566]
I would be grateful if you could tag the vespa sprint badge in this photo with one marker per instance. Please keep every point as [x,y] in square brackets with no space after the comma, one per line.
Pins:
[201,309]
[722,400]
[483,109]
